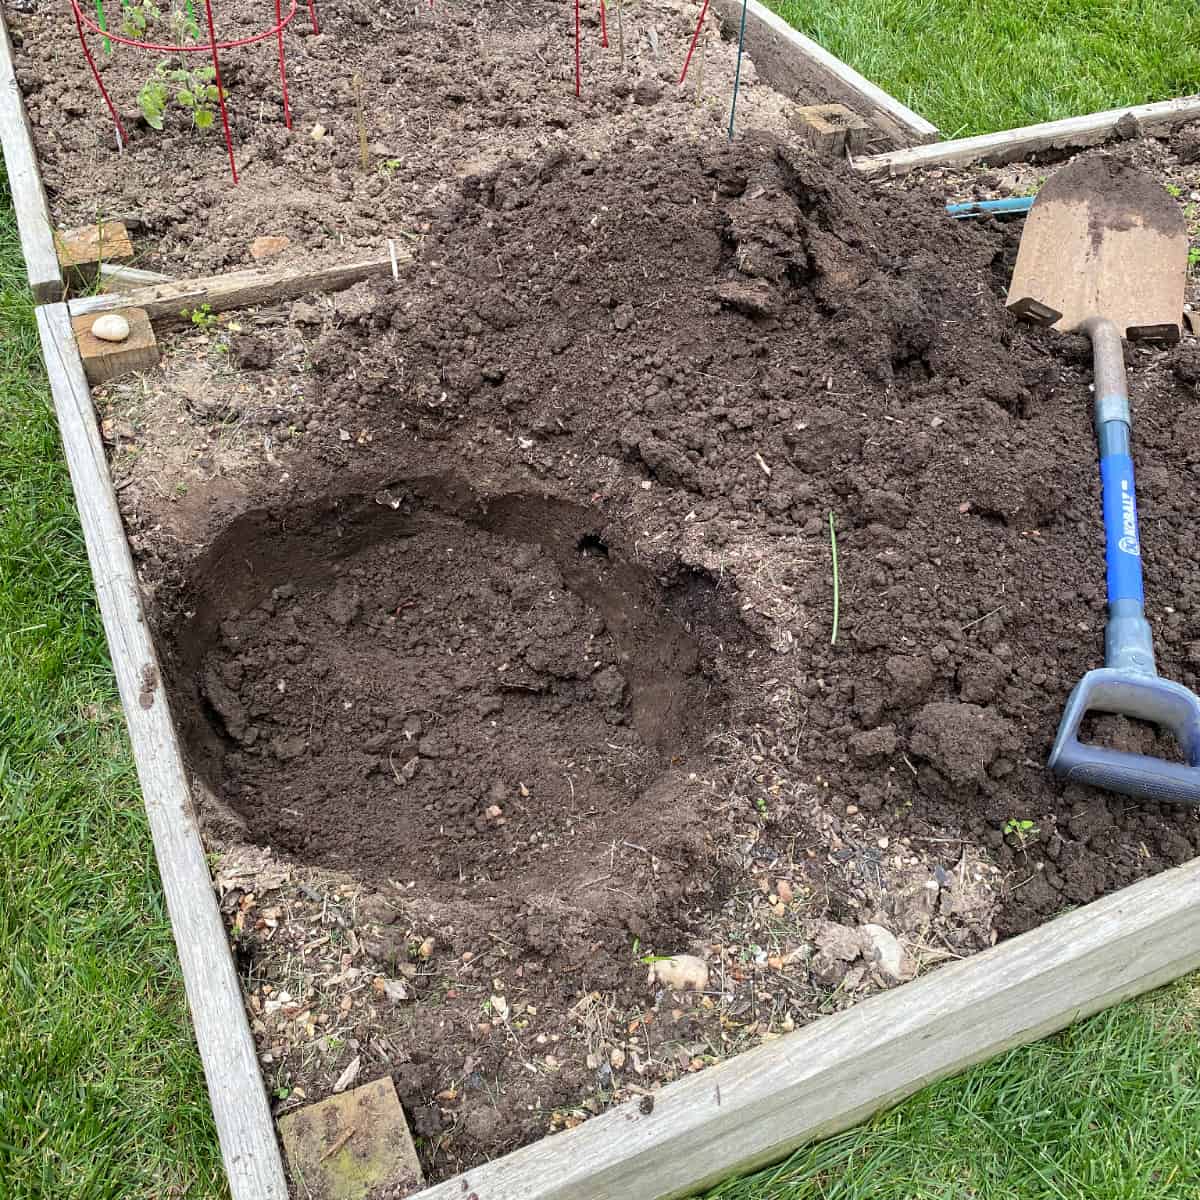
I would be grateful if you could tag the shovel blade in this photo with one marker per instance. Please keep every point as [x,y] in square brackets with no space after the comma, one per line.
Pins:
[1103,239]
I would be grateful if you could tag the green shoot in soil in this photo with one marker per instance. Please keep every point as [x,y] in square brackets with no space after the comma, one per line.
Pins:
[136,19]
[836,582]
[202,317]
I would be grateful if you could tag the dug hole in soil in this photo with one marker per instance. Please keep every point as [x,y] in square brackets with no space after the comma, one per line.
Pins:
[498,605]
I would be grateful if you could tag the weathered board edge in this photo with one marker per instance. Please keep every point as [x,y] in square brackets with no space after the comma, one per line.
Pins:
[756,1108]
[788,61]
[25,182]
[237,289]
[1011,145]
[235,1086]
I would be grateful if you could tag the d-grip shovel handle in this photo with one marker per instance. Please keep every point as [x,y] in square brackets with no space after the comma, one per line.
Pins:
[1128,684]
[1146,697]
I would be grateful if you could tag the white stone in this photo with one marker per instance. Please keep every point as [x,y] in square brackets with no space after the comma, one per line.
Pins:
[680,972]
[886,953]
[111,327]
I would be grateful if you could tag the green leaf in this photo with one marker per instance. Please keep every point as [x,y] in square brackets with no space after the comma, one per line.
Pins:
[205,73]
[212,92]
[203,118]
[185,98]
[152,100]
[177,76]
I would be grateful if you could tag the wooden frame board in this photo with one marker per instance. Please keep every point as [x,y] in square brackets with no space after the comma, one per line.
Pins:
[1012,145]
[174,299]
[25,182]
[791,62]
[235,1084]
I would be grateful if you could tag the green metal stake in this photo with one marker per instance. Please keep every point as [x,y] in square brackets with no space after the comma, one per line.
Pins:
[737,74]
[836,581]
[100,21]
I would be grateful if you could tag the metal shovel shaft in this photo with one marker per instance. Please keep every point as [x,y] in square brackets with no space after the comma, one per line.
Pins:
[1128,641]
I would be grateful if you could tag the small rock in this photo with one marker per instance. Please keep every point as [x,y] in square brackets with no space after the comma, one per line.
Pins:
[616,1058]
[318,131]
[269,245]
[623,317]
[680,972]
[111,327]
[426,948]
[886,953]
[783,890]
[395,990]
[838,941]
[349,1075]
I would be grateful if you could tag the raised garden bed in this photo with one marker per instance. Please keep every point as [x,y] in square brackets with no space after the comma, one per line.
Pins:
[497,600]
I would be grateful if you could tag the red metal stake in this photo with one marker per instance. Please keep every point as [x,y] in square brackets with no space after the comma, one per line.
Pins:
[287,111]
[603,25]
[212,44]
[312,12]
[695,39]
[578,72]
[122,136]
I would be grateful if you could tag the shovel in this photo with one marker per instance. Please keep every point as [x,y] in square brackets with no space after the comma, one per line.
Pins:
[1104,252]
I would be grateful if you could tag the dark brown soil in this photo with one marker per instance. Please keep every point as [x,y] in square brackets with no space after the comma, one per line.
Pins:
[525,617]
[445,91]
[726,347]
[412,684]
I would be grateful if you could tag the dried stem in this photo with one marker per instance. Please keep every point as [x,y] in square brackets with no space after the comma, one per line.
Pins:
[361,121]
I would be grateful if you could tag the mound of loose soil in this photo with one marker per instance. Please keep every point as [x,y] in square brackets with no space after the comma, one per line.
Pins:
[527,618]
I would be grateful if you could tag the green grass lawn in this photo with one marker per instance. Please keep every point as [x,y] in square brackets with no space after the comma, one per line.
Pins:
[101,1091]
[974,66]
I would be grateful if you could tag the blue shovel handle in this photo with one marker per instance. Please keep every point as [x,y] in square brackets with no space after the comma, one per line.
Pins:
[1128,684]
[1012,205]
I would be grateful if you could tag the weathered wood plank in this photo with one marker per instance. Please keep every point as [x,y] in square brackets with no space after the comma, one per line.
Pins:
[758,1107]
[25,182]
[118,277]
[1012,145]
[235,1086]
[238,289]
[794,64]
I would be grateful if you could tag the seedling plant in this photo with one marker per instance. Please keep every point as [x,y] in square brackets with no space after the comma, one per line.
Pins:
[192,90]
[1023,830]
